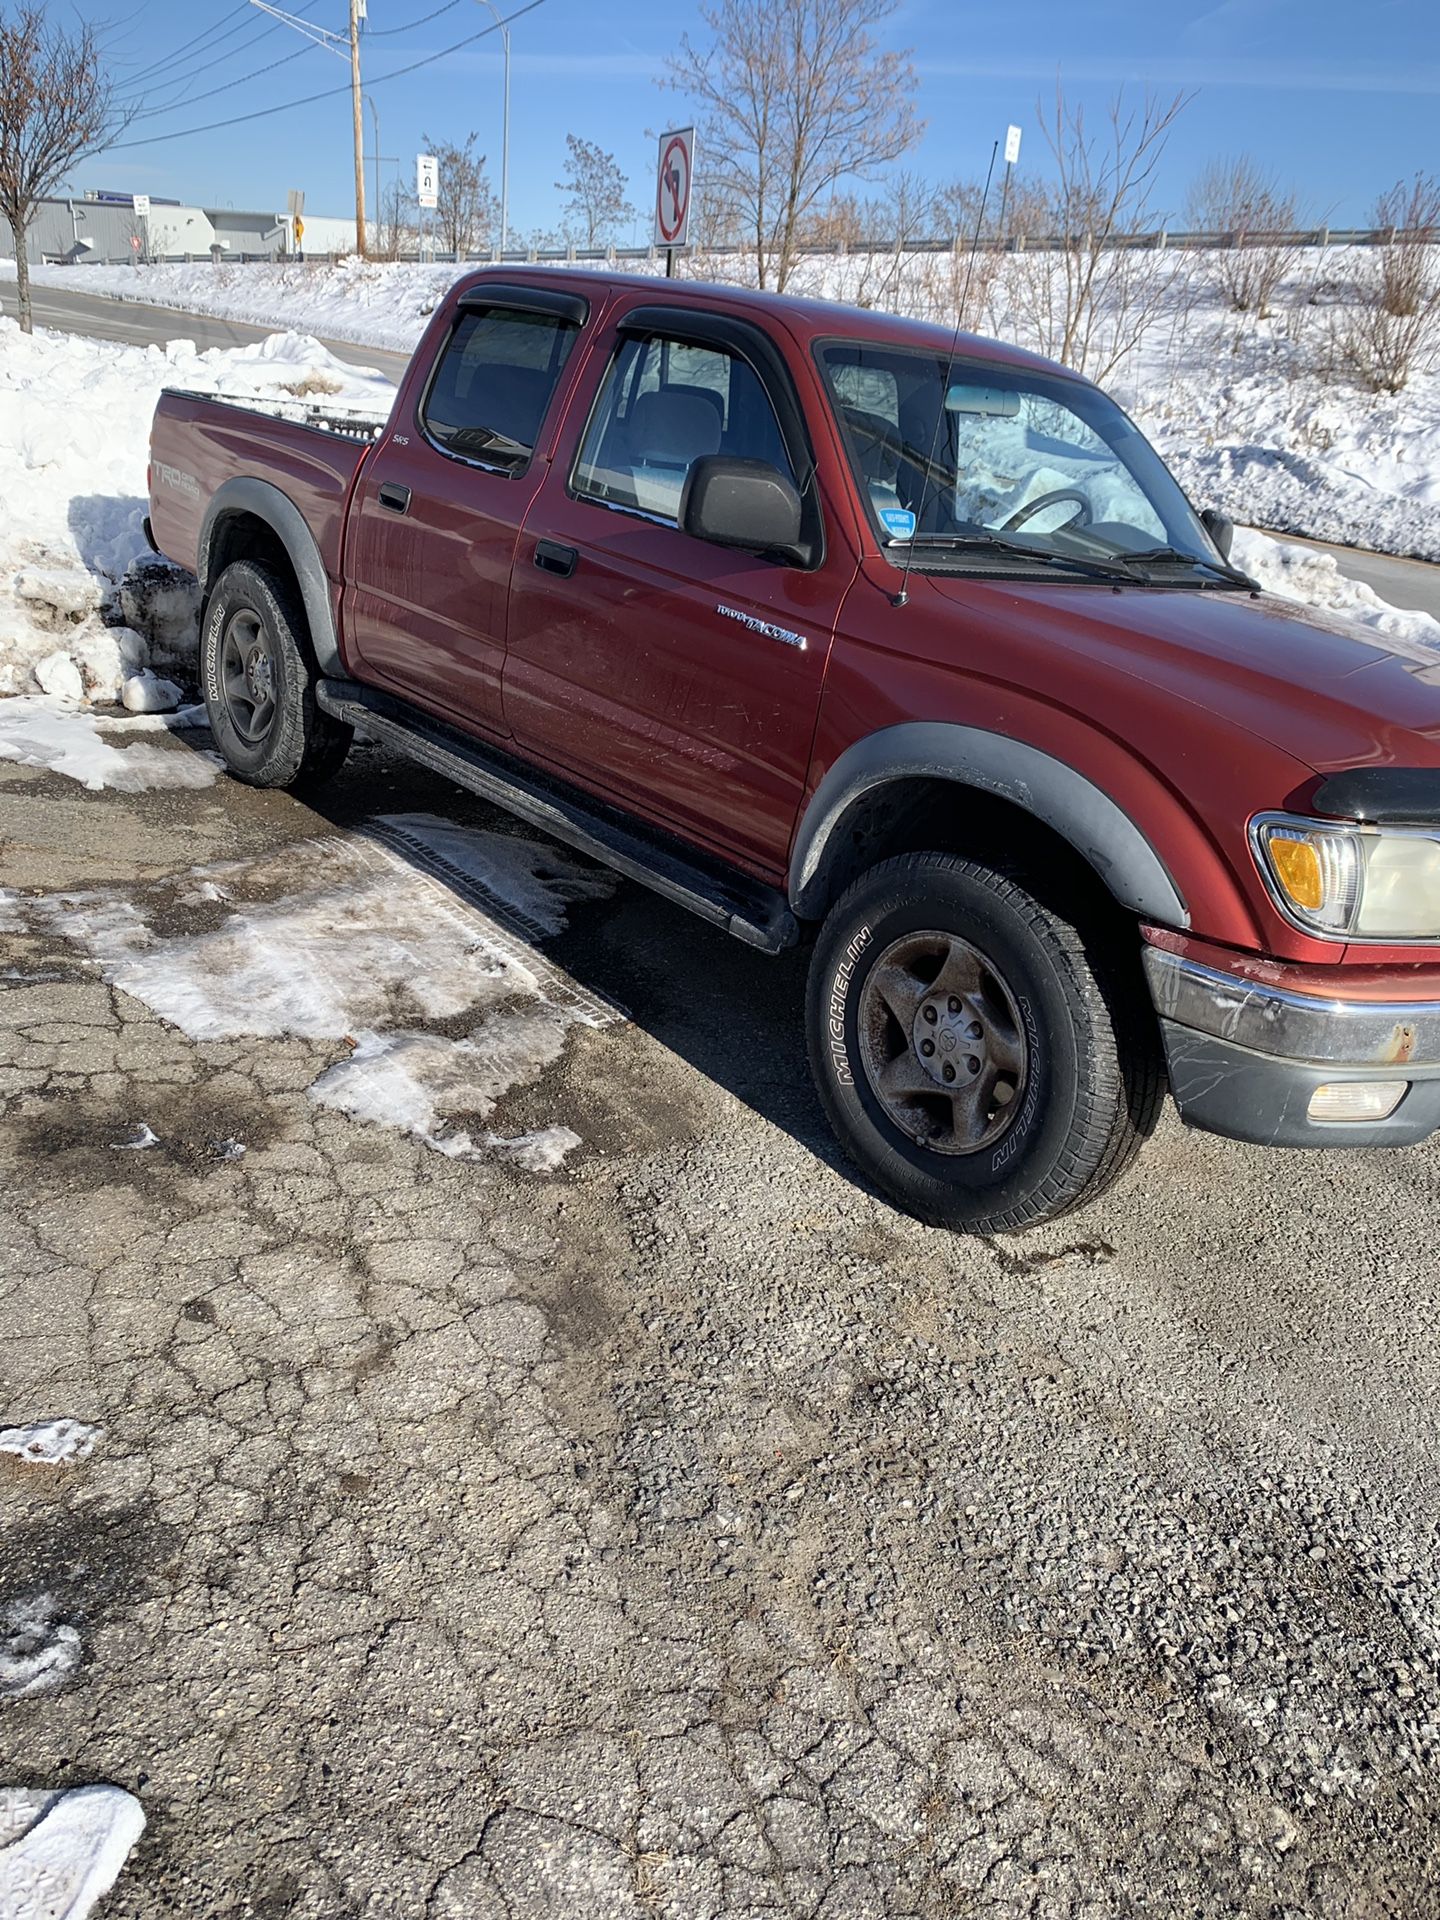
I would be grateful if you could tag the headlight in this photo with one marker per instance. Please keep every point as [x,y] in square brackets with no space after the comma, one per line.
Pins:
[1355,883]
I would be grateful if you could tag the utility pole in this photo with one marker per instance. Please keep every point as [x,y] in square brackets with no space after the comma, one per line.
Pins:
[341,44]
[359,128]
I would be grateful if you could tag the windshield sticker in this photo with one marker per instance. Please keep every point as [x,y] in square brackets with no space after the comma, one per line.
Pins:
[898,522]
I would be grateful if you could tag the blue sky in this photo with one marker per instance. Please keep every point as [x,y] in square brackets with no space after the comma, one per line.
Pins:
[1337,98]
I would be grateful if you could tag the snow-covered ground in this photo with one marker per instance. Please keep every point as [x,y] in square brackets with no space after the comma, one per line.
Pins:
[74,441]
[60,1853]
[1241,407]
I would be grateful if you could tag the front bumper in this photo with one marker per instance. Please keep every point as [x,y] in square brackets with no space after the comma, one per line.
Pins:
[1247,1055]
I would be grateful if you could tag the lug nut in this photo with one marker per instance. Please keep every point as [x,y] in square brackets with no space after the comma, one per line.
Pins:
[954,1004]
[931,1015]
[974,1030]
[949,1071]
[973,1064]
[927,1047]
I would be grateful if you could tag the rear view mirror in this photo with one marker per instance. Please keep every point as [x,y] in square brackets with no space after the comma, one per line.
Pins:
[1221,530]
[742,503]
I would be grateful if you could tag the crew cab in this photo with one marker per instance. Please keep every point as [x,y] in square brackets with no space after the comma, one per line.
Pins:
[843,629]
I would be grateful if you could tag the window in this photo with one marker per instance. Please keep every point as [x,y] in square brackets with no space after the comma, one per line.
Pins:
[664,404]
[489,393]
[1037,458]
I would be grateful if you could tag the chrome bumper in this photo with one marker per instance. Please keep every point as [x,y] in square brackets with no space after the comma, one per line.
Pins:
[1245,1059]
[1293,1026]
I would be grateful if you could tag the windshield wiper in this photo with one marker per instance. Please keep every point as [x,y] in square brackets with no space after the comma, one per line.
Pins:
[1017,549]
[1222,567]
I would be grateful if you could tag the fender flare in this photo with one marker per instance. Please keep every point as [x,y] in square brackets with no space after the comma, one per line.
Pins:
[1099,830]
[266,502]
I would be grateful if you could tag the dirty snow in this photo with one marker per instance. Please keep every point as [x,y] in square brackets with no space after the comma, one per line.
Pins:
[74,440]
[145,1137]
[39,731]
[51,1443]
[60,1853]
[353,941]
[38,1650]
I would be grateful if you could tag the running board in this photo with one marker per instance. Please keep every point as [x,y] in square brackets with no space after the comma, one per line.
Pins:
[753,912]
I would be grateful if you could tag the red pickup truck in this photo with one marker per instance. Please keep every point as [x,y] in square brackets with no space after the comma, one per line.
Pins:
[838,628]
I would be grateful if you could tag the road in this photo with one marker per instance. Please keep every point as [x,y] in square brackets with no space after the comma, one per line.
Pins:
[138,325]
[1405,583]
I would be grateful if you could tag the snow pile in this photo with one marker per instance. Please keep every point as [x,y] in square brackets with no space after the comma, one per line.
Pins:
[60,1853]
[1313,579]
[42,732]
[350,941]
[51,1443]
[38,1651]
[74,440]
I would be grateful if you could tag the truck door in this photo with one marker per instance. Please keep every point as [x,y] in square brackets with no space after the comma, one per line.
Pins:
[680,677]
[433,525]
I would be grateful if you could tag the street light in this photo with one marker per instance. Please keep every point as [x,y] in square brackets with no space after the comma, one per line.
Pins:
[505,134]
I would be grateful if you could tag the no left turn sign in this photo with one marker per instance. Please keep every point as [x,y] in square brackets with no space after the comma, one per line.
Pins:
[672,188]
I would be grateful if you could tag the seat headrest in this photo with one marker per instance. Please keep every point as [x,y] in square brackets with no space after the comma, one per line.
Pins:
[673,426]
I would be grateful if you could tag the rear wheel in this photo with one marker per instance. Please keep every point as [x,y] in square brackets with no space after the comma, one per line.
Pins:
[985,1061]
[259,679]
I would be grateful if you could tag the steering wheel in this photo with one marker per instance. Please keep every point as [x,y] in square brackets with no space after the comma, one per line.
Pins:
[1059,497]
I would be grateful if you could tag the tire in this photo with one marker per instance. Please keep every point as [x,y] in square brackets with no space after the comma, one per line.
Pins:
[259,678]
[1054,1074]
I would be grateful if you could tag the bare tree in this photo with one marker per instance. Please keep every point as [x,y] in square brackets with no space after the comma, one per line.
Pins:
[1090,303]
[1257,216]
[1390,326]
[595,189]
[55,107]
[466,211]
[795,98]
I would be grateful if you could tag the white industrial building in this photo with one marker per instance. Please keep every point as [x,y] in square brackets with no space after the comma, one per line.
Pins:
[105,226]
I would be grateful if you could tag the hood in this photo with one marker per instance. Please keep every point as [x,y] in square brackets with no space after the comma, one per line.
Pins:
[1326,691]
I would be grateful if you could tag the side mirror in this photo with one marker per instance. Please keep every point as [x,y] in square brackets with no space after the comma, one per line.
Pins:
[1221,530]
[742,503]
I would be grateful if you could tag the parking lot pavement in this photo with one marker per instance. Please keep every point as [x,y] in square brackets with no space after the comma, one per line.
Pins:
[683,1532]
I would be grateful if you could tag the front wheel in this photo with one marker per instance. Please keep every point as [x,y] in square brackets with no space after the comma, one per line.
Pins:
[259,680]
[978,1057]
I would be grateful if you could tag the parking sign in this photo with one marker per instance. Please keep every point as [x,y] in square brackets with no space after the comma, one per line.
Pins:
[427,179]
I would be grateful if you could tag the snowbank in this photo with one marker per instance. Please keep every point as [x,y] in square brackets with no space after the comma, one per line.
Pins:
[1236,404]
[74,438]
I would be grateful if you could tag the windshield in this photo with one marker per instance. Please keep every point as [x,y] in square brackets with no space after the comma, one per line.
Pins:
[1034,459]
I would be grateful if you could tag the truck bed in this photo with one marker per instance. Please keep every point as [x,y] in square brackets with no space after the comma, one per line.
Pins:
[313,453]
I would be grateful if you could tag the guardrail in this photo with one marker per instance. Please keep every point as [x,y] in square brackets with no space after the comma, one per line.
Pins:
[1163,237]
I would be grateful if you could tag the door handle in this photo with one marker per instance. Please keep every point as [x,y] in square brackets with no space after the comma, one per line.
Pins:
[551,557]
[394,496]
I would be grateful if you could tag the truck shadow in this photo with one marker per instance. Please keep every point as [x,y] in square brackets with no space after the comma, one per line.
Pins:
[733,1014]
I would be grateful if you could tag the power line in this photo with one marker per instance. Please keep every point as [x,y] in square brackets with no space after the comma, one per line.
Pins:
[382,33]
[329,93]
[173,80]
[193,99]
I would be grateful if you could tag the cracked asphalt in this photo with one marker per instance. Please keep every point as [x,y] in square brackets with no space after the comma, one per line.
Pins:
[687,1533]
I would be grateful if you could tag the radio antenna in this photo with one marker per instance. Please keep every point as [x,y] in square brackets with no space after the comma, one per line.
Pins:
[903,596]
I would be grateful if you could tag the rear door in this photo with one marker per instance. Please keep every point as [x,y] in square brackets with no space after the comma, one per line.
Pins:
[434,522]
[680,677]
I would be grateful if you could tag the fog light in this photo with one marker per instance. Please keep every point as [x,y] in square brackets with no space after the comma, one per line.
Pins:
[1357,1099]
